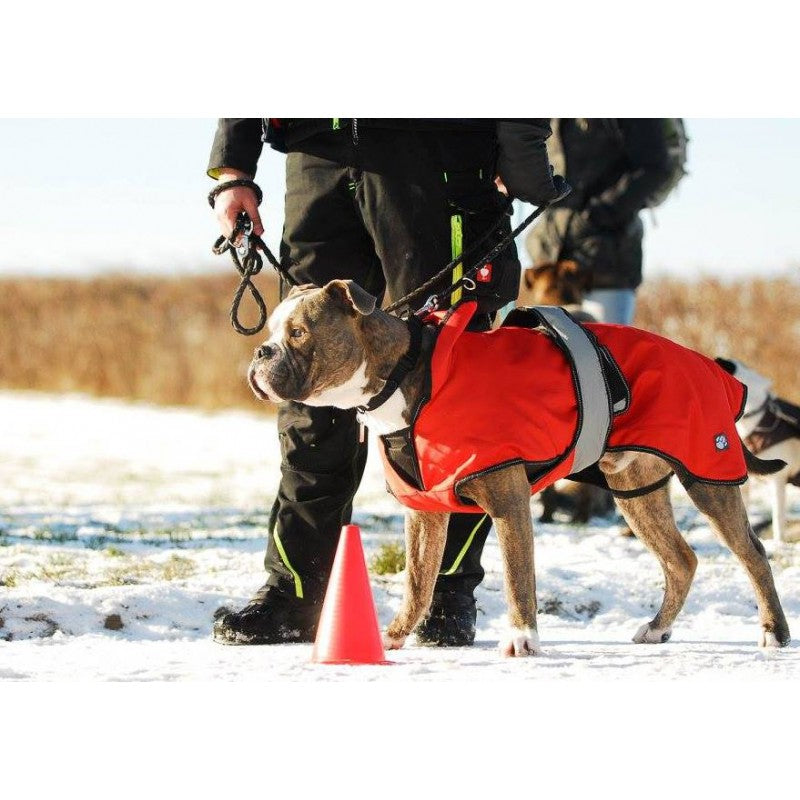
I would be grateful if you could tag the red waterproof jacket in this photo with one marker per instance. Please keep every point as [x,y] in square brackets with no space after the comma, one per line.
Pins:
[509,396]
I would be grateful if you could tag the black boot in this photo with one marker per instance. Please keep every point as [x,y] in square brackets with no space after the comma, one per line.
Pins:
[273,616]
[451,622]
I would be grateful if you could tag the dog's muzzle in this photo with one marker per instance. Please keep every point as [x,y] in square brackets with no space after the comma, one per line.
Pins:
[274,375]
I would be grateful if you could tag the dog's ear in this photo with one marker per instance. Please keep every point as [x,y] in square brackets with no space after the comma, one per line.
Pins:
[352,296]
[532,274]
[575,274]
[727,365]
[527,278]
[568,267]
[295,290]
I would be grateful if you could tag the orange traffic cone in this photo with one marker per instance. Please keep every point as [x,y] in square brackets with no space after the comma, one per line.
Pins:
[348,631]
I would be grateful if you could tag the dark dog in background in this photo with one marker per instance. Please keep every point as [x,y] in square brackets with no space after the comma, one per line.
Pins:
[565,284]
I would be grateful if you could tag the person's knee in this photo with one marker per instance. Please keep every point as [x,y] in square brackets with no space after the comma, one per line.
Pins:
[318,439]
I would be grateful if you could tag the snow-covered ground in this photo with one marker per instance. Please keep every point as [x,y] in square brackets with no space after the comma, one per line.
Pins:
[123,527]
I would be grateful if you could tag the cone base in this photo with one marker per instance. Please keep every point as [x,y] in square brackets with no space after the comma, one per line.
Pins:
[353,663]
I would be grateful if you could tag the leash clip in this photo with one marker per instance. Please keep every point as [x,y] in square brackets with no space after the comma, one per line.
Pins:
[243,248]
[431,304]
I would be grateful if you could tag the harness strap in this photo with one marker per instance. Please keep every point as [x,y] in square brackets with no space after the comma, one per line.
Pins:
[626,494]
[780,408]
[759,410]
[401,369]
[594,401]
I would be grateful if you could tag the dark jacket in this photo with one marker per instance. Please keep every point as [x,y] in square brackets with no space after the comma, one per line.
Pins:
[520,153]
[613,166]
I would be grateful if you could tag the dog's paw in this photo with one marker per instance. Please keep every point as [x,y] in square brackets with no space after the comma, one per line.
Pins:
[393,642]
[520,642]
[772,641]
[649,635]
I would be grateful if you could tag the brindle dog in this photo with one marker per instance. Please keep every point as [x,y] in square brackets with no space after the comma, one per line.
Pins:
[332,346]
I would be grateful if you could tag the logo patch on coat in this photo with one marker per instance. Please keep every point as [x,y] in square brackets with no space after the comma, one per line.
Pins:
[721,441]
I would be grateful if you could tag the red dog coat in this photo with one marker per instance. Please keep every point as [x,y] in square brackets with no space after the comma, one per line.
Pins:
[510,396]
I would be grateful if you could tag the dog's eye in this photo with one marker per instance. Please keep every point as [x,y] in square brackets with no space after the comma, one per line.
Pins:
[296,333]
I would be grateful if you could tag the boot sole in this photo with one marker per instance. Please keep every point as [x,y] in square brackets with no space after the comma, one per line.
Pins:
[242,639]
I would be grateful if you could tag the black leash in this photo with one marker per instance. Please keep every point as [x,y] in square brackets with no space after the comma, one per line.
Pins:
[414,322]
[435,300]
[246,258]
[248,262]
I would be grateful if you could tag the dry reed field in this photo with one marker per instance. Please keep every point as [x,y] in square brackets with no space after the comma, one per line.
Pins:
[162,340]
[169,340]
[756,321]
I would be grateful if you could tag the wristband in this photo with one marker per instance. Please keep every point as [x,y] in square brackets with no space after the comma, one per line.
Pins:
[212,195]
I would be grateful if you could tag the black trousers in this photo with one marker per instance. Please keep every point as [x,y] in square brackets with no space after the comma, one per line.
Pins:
[388,211]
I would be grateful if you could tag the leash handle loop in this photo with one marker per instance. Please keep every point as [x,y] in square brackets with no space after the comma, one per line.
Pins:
[248,262]
[246,257]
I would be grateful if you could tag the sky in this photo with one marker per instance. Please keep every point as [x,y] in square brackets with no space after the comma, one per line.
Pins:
[84,196]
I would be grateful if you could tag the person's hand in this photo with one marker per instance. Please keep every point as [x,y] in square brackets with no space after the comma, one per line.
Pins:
[230,203]
[562,188]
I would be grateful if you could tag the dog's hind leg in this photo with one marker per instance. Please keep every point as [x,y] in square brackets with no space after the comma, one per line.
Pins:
[651,518]
[426,533]
[725,510]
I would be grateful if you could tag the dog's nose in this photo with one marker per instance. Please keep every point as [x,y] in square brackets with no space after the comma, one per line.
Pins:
[265,351]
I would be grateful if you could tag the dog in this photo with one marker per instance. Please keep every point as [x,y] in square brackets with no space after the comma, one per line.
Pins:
[565,284]
[332,346]
[770,428]
[558,283]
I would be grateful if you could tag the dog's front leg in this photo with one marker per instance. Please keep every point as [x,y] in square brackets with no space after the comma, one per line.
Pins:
[515,536]
[426,533]
[505,494]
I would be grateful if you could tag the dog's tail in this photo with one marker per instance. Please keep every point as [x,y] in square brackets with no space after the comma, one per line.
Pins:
[761,466]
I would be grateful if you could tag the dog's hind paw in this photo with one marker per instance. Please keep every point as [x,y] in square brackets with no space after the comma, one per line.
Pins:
[649,635]
[520,642]
[772,641]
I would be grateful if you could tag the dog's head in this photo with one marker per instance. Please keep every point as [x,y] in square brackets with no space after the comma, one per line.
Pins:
[315,353]
[560,283]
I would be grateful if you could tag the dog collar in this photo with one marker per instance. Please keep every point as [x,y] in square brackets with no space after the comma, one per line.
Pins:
[401,368]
